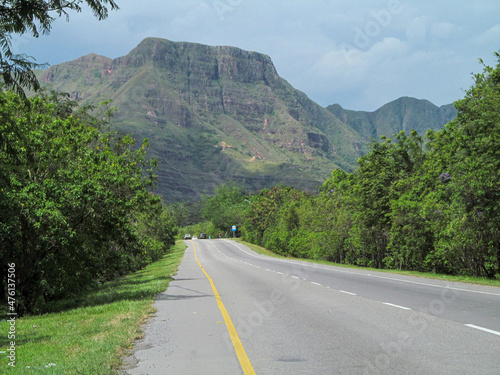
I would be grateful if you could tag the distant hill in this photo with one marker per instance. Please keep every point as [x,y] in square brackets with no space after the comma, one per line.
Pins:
[401,114]
[218,113]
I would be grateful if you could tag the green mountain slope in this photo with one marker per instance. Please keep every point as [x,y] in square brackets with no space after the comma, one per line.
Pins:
[401,114]
[217,113]
[213,114]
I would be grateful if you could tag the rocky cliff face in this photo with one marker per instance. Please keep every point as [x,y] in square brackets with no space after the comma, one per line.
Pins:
[214,114]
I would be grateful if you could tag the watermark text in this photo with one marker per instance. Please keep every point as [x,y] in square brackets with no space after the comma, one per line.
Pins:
[11,314]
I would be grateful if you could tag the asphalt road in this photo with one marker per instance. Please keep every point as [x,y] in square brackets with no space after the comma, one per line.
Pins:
[293,317]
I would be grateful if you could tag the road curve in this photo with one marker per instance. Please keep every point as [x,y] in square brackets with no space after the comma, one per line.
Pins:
[293,317]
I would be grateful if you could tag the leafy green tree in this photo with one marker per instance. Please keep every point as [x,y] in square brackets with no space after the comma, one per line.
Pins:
[336,219]
[226,207]
[412,234]
[155,230]
[273,218]
[75,202]
[379,171]
[280,237]
[465,167]
[34,17]
[263,213]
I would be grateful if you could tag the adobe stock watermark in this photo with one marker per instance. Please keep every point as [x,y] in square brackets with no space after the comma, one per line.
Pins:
[221,7]
[419,321]
[11,316]
[364,36]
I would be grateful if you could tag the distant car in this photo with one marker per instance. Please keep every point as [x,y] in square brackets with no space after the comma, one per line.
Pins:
[195,238]
[203,236]
[187,236]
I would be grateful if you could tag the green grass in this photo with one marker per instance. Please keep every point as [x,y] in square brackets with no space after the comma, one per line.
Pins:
[89,336]
[429,275]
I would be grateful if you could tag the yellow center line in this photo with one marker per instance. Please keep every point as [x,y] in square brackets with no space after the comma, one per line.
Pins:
[238,347]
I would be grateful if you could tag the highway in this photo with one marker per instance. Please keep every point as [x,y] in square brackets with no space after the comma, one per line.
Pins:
[230,310]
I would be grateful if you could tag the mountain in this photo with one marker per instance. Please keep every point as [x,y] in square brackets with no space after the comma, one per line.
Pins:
[213,114]
[216,113]
[401,114]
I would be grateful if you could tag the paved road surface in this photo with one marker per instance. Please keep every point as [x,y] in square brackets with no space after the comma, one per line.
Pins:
[293,317]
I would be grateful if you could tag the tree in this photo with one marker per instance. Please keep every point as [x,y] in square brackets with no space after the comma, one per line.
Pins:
[34,17]
[225,208]
[377,175]
[272,218]
[465,165]
[337,204]
[75,202]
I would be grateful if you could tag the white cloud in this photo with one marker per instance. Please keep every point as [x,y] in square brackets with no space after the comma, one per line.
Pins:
[416,32]
[490,37]
[443,30]
[346,67]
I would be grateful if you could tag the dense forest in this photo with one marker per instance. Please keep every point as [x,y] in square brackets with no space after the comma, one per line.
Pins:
[76,206]
[413,203]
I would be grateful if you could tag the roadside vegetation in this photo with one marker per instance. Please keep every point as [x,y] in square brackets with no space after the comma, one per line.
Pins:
[91,333]
[76,207]
[427,204]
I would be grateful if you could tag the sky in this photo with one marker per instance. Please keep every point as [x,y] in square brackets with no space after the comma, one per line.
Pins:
[359,54]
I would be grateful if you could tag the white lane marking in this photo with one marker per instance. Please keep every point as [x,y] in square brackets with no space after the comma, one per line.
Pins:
[304,264]
[483,329]
[295,277]
[398,306]
[312,282]
[351,294]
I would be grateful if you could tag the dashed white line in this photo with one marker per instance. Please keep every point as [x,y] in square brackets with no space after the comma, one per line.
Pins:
[332,269]
[483,329]
[497,333]
[398,306]
[351,294]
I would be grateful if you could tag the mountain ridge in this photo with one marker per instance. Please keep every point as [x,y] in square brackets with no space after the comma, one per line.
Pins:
[405,113]
[402,114]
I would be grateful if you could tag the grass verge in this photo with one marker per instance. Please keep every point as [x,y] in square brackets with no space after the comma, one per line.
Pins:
[89,336]
[429,275]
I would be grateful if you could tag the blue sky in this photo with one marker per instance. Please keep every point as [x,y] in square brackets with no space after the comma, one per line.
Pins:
[360,54]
